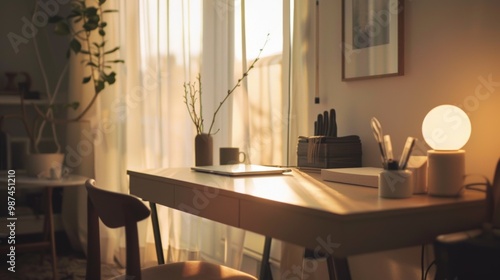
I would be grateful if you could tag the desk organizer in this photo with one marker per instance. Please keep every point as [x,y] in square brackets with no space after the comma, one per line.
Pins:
[329,152]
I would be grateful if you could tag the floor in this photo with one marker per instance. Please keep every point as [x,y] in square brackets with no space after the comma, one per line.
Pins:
[38,266]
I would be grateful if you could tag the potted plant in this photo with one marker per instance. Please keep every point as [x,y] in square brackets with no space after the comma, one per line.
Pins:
[193,101]
[85,29]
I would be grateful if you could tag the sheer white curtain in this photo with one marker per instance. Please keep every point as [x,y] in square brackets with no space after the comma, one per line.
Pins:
[167,44]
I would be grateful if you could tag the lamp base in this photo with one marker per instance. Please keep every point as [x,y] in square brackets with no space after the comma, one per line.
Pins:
[445,172]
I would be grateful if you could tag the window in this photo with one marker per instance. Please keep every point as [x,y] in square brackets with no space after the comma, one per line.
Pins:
[267,102]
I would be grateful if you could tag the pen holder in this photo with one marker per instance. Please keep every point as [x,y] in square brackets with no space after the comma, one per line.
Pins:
[395,184]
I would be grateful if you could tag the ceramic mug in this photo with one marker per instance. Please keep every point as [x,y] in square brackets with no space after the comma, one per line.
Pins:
[231,155]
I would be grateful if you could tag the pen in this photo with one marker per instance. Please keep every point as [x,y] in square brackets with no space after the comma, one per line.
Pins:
[405,155]
[377,133]
[388,147]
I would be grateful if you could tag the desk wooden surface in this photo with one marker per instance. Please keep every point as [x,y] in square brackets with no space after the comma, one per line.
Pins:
[302,209]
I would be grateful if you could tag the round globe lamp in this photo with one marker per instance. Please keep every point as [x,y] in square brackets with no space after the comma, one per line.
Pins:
[446,129]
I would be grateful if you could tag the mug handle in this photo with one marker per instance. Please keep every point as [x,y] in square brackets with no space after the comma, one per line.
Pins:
[244,157]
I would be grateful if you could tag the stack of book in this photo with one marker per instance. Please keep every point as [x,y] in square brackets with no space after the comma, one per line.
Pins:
[329,152]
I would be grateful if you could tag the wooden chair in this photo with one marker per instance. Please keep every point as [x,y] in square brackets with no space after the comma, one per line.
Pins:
[117,210]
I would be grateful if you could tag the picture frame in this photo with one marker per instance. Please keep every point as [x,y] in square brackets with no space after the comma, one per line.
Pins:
[372,39]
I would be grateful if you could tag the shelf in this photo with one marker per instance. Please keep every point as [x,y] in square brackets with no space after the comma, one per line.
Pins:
[16,100]
[29,224]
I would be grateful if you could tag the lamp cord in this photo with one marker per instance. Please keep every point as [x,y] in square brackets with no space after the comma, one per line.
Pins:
[428,268]
[426,272]
[470,186]
[422,261]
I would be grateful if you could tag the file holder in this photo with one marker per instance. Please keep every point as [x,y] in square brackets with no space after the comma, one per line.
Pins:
[329,152]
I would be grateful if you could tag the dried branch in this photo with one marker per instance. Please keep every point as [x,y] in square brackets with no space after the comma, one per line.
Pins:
[191,92]
[229,92]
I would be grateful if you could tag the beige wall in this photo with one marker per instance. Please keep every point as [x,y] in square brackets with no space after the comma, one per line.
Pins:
[450,46]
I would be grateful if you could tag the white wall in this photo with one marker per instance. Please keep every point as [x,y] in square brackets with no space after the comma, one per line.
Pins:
[449,46]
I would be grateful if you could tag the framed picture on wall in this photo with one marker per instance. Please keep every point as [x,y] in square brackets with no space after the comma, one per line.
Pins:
[372,38]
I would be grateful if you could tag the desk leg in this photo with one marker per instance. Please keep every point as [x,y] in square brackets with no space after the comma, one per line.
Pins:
[265,266]
[49,229]
[156,233]
[341,268]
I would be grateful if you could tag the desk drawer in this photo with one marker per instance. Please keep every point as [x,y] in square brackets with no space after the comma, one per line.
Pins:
[157,191]
[206,204]
[287,223]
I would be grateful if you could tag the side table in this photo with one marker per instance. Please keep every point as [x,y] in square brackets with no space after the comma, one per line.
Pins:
[24,182]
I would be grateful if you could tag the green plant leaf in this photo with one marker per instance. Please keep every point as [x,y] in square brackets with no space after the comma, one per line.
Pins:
[112,50]
[62,28]
[90,25]
[101,32]
[110,11]
[86,79]
[90,11]
[75,45]
[102,2]
[94,18]
[92,64]
[111,78]
[116,61]
[99,86]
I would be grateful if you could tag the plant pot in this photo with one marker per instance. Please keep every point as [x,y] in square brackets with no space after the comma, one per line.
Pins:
[204,149]
[44,165]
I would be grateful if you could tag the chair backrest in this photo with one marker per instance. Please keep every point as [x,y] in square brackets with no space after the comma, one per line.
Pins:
[115,210]
[495,197]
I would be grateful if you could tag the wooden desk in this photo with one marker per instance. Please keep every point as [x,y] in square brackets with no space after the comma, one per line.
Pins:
[25,182]
[302,209]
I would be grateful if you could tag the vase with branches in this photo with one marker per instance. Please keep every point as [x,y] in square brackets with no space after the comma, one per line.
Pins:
[193,101]
[85,28]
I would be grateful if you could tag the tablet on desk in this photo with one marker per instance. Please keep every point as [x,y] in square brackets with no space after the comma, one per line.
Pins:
[240,169]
